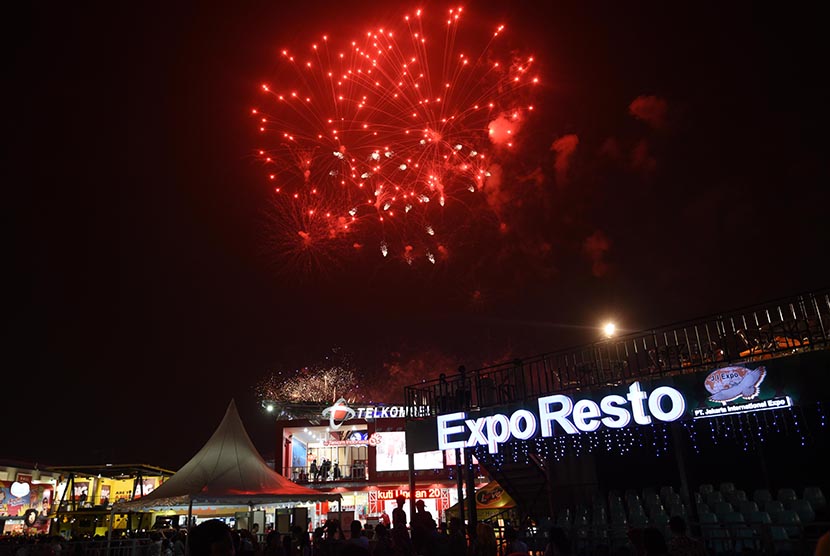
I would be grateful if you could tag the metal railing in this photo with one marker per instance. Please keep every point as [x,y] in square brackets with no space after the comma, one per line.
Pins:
[304,474]
[773,329]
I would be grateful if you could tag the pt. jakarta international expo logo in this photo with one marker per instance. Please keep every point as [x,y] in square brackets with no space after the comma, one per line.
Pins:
[730,383]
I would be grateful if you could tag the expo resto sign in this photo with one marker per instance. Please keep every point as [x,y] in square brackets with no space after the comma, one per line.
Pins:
[613,411]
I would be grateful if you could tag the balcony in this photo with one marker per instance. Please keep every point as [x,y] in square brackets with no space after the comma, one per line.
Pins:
[775,329]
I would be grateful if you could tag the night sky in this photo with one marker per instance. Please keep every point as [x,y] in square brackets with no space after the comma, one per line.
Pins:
[145,291]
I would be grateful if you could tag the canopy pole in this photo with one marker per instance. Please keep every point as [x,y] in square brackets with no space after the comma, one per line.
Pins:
[109,529]
[189,520]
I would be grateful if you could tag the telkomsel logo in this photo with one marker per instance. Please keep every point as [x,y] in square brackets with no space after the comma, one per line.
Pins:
[338,413]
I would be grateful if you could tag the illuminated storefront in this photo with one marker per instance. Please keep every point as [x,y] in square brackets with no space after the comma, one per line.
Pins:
[360,453]
[85,495]
[27,496]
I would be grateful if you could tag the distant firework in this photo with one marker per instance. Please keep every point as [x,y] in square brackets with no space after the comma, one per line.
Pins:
[320,383]
[381,143]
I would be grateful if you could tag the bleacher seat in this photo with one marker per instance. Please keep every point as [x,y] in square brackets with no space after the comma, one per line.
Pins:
[715,536]
[815,496]
[632,501]
[656,509]
[618,518]
[619,536]
[651,499]
[758,517]
[773,506]
[747,538]
[703,508]
[638,521]
[780,539]
[789,520]
[707,518]
[747,506]
[786,495]
[635,509]
[722,508]
[705,489]
[600,516]
[804,510]
[727,487]
[666,491]
[698,497]
[761,496]
[661,522]
[735,497]
[731,517]
[713,497]
[677,509]
[744,536]
[671,498]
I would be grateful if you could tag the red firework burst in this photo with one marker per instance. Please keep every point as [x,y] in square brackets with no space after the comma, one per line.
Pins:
[385,143]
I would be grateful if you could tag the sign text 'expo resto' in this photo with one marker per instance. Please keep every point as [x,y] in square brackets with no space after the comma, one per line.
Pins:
[614,411]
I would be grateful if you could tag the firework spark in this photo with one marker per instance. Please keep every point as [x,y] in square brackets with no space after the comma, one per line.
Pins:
[384,141]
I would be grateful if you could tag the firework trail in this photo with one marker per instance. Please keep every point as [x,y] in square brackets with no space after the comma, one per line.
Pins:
[382,143]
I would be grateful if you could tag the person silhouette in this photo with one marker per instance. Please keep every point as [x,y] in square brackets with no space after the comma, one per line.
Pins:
[400,535]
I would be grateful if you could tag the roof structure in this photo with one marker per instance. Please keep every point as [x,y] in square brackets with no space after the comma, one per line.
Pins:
[228,470]
[114,470]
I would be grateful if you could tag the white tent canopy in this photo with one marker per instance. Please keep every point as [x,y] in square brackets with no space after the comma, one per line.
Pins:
[227,471]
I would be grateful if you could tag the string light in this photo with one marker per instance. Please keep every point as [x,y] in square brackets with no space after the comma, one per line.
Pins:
[749,431]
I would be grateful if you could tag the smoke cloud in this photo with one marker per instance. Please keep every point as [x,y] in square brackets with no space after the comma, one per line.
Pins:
[641,158]
[595,247]
[650,109]
[399,372]
[504,127]
[564,148]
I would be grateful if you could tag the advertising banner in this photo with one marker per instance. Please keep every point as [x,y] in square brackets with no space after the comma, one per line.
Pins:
[299,454]
[16,498]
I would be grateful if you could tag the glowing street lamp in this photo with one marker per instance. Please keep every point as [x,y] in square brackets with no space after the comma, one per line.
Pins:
[609,329]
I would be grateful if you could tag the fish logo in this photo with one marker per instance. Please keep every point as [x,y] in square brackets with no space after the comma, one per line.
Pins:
[730,383]
[338,413]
